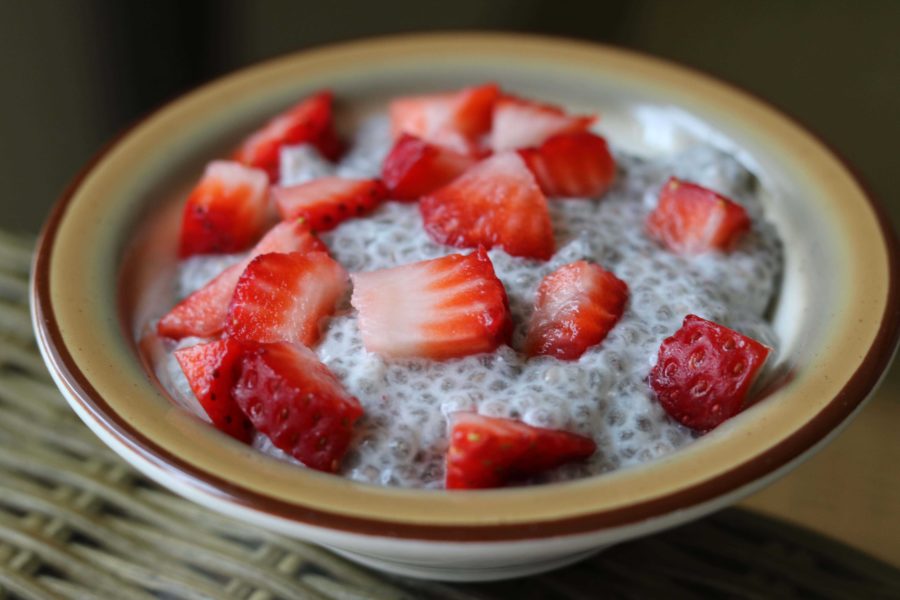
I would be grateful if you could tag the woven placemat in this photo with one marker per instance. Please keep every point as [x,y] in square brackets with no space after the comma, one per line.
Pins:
[78,522]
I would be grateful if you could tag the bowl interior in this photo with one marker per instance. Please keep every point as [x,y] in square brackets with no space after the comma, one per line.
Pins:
[110,249]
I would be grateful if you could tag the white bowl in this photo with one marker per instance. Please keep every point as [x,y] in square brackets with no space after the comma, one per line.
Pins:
[110,241]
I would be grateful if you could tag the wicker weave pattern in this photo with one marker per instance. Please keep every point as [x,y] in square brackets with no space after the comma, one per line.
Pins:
[77,522]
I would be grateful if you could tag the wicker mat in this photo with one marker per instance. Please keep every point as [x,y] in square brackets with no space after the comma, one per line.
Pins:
[77,522]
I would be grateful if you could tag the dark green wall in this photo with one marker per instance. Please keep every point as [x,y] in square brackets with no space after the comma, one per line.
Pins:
[74,72]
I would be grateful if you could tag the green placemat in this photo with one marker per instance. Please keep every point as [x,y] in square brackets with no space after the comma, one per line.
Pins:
[78,522]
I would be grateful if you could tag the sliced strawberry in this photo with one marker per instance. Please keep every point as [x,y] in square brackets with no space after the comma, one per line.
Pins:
[212,370]
[283,297]
[328,201]
[497,202]
[415,167]
[576,307]
[519,123]
[455,120]
[704,371]
[572,165]
[487,452]
[441,308]
[691,219]
[298,403]
[308,122]
[226,211]
[203,313]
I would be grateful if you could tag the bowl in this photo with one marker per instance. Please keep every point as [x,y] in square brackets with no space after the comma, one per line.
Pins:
[111,240]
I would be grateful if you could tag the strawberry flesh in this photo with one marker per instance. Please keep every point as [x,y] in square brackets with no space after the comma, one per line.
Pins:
[455,120]
[415,168]
[308,122]
[497,202]
[212,370]
[441,308]
[297,402]
[204,312]
[519,123]
[576,307]
[488,452]
[226,211]
[284,297]
[328,201]
[691,219]
[704,372]
[572,165]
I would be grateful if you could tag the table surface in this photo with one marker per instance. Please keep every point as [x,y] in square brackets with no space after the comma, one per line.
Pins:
[75,521]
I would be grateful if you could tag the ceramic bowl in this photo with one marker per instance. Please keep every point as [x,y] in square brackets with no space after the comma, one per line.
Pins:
[112,239]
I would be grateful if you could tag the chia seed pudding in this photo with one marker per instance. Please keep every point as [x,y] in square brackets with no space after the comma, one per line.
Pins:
[403,436]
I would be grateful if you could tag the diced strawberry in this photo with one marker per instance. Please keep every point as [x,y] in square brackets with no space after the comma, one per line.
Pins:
[212,370]
[298,403]
[522,123]
[497,202]
[576,307]
[441,308]
[488,452]
[704,371]
[226,211]
[691,219]
[328,201]
[308,122]
[455,120]
[572,164]
[203,313]
[283,297]
[415,167]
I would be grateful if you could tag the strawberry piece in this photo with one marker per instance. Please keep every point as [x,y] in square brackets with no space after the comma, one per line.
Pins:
[576,307]
[212,370]
[308,122]
[204,312]
[441,308]
[691,219]
[704,371]
[488,452]
[497,202]
[572,164]
[298,403]
[455,120]
[328,201]
[415,168]
[226,211]
[283,297]
[522,123]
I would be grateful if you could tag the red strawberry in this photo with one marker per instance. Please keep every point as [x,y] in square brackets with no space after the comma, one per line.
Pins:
[327,201]
[521,123]
[487,452]
[497,202]
[704,371]
[309,121]
[212,370]
[441,308]
[576,307]
[298,403]
[226,211]
[283,297]
[455,120]
[415,167]
[691,219]
[572,164]
[203,313]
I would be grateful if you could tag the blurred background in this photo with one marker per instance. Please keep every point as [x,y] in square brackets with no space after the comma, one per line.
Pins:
[76,72]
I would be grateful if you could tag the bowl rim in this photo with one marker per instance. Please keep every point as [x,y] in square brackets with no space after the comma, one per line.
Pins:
[79,389]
